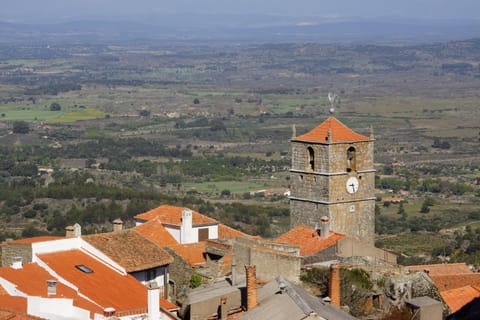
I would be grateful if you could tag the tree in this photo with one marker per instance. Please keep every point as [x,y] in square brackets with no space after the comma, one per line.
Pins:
[196,101]
[195,281]
[401,209]
[55,106]
[425,208]
[21,127]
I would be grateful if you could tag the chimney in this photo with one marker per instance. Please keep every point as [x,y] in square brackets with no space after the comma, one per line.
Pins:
[153,300]
[234,270]
[223,311]
[117,225]
[51,287]
[334,285]
[17,263]
[73,231]
[325,226]
[251,287]
[108,312]
[186,233]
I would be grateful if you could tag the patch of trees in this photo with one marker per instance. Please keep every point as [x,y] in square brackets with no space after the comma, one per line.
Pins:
[441,144]
[54,88]
[21,127]
[459,67]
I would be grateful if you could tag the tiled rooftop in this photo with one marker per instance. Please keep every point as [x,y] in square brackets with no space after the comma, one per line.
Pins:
[173,215]
[154,231]
[308,240]
[192,253]
[105,286]
[32,280]
[442,268]
[453,281]
[130,249]
[457,298]
[228,232]
[34,240]
[339,133]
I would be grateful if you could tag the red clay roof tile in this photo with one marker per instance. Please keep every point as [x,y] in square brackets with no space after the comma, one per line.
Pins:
[442,268]
[173,215]
[192,253]
[308,240]
[228,232]
[154,231]
[339,133]
[457,298]
[453,281]
[34,240]
[130,249]
[105,286]
[32,280]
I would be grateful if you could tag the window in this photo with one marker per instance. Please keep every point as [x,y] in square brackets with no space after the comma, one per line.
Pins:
[151,274]
[311,159]
[351,159]
[84,268]
[203,234]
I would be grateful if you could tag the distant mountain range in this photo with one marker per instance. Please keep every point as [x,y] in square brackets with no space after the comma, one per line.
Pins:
[241,28]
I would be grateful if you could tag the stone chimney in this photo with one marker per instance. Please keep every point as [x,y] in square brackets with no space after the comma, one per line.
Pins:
[186,232]
[51,287]
[17,263]
[153,301]
[73,231]
[117,225]
[334,285]
[325,222]
[251,272]
[223,309]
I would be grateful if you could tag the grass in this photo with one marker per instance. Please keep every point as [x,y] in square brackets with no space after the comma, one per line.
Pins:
[412,243]
[238,187]
[85,114]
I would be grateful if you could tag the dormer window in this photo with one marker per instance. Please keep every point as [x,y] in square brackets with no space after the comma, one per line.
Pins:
[351,159]
[311,159]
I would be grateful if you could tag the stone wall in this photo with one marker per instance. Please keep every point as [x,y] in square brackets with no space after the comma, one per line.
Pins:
[10,251]
[348,247]
[269,263]
[180,272]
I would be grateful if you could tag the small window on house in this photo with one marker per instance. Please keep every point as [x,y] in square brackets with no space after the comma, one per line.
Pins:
[151,274]
[202,234]
[84,268]
[311,159]
[351,159]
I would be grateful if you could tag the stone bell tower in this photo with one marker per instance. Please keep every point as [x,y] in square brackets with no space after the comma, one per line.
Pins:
[333,175]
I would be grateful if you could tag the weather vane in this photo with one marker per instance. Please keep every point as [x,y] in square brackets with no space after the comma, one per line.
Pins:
[333,98]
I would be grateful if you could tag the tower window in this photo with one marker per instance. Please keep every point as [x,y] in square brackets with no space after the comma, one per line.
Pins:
[311,159]
[351,159]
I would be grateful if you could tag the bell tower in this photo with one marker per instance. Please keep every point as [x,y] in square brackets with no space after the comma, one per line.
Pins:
[332,175]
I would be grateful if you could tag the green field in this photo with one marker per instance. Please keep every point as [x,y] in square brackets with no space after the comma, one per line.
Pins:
[236,187]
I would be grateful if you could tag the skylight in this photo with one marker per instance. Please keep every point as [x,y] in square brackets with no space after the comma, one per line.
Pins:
[84,268]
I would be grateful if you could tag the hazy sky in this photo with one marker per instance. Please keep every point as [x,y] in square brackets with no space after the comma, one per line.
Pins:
[54,10]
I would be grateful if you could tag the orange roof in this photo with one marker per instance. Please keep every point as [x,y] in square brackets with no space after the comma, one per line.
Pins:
[105,286]
[308,240]
[9,313]
[32,280]
[457,298]
[192,253]
[130,249]
[442,268]
[34,240]
[154,231]
[453,281]
[173,215]
[228,232]
[339,133]
[13,303]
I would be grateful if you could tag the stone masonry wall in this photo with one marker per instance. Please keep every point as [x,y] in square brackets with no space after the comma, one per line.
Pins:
[10,251]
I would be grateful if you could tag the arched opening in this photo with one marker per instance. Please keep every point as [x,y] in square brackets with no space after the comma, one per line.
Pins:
[311,159]
[351,159]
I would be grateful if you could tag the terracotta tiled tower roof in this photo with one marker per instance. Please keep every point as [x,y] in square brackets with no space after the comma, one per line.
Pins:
[337,131]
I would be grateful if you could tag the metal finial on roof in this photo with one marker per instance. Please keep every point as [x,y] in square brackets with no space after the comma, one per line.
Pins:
[333,98]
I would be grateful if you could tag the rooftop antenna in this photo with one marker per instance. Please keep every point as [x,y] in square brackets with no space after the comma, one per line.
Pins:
[333,98]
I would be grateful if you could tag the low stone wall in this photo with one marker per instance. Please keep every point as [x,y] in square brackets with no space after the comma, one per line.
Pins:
[9,251]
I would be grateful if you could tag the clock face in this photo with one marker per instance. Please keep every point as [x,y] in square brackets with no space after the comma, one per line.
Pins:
[352,185]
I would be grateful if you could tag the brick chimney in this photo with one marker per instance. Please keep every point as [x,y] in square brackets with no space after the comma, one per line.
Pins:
[153,300]
[334,285]
[51,287]
[325,222]
[251,272]
[117,225]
